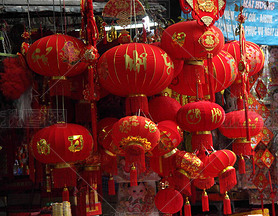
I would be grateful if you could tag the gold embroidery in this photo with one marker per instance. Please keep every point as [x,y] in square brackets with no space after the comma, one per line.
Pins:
[69,54]
[209,40]
[36,56]
[135,62]
[130,140]
[165,142]
[216,115]
[76,143]
[178,38]
[43,147]
[169,64]
[193,116]
[126,125]
[151,126]
[206,5]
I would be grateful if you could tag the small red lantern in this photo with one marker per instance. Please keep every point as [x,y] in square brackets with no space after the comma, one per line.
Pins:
[136,135]
[200,118]
[193,79]
[62,145]
[170,137]
[163,108]
[254,54]
[168,201]
[190,41]
[57,56]
[235,127]
[135,71]
[220,163]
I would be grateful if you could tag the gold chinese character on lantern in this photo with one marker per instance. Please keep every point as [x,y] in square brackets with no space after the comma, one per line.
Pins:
[43,147]
[76,143]
[193,116]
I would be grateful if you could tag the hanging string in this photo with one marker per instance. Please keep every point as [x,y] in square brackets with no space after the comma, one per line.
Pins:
[131,18]
[54,22]
[61,14]
[57,106]
[135,21]
[28,14]
[65,18]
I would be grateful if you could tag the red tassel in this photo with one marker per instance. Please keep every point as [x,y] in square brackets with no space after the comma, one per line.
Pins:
[201,139]
[210,76]
[135,155]
[205,201]
[262,202]
[133,176]
[64,176]
[240,105]
[134,103]
[227,179]
[187,208]
[227,205]
[204,183]
[59,86]
[242,147]
[241,165]
[65,194]
[111,186]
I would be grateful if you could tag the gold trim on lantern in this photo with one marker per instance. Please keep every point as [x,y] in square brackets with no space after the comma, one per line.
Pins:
[92,168]
[169,154]
[131,140]
[226,169]
[203,132]
[109,153]
[242,140]
[183,172]
[194,62]
[137,95]
[58,78]
[62,165]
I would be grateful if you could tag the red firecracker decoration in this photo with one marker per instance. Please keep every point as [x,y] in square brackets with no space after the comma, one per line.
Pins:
[235,127]
[136,135]
[220,163]
[163,108]
[200,118]
[58,56]
[135,71]
[62,145]
[168,201]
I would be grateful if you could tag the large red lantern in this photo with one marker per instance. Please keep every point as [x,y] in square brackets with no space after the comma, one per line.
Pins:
[163,108]
[135,71]
[235,127]
[170,137]
[220,163]
[136,135]
[58,56]
[254,55]
[62,145]
[168,201]
[191,41]
[200,118]
[224,74]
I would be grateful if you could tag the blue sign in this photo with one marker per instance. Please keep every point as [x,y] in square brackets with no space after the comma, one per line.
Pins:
[261,26]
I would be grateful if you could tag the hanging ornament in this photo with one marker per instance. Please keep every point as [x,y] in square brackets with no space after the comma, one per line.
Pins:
[136,135]
[200,118]
[205,12]
[135,71]
[62,145]
[124,37]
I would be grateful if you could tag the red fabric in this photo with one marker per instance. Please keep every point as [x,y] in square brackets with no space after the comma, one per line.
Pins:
[182,182]
[242,148]
[64,176]
[227,206]
[205,202]
[227,180]
[135,68]
[234,125]
[65,194]
[133,176]
[168,201]
[254,54]
[55,145]
[111,187]
[224,74]
[187,209]
[181,40]
[241,165]
[199,141]
[170,137]
[136,104]
[16,78]
[163,108]
[56,55]
[204,183]
[200,116]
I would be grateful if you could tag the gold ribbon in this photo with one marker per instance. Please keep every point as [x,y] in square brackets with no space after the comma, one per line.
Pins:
[181,171]
[169,154]
[137,95]
[226,169]
[194,62]
[109,153]
[59,78]
[242,140]
[92,168]
[62,165]
[203,132]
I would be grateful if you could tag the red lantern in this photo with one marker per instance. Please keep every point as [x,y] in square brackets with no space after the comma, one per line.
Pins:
[135,71]
[220,163]
[235,127]
[57,56]
[170,138]
[182,182]
[190,41]
[168,201]
[200,118]
[62,145]
[224,74]
[136,135]
[163,108]
[254,54]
